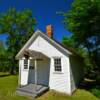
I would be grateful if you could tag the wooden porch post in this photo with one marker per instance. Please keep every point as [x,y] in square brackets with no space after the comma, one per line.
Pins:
[19,77]
[36,72]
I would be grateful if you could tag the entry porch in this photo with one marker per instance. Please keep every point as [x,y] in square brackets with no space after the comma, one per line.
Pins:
[34,73]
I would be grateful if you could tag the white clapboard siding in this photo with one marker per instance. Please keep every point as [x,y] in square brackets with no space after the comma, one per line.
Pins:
[57,81]
[65,81]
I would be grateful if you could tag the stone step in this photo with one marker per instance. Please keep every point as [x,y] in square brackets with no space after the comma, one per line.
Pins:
[42,90]
[29,90]
[22,93]
[38,91]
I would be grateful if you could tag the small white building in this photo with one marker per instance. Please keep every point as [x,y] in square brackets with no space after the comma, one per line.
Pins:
[44,61]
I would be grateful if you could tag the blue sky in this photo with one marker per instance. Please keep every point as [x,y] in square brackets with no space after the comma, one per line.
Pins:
[45,12]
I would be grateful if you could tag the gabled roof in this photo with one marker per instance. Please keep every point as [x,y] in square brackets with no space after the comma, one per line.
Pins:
[52,41]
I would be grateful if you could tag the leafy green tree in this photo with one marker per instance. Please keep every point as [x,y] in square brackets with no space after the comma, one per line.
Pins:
[83,20]
[2,48]
[3,53]
[19,26]
[70,43]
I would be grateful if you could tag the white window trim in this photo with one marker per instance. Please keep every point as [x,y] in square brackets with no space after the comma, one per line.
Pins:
[27,65]
[57,72]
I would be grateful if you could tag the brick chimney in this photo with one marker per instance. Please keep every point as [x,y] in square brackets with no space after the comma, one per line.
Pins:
[49,31]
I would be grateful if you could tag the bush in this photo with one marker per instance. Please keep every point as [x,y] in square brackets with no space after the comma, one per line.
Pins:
[98,79]
[96,91]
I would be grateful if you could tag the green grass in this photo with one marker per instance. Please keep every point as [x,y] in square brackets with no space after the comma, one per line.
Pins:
[78,95]
[8,84]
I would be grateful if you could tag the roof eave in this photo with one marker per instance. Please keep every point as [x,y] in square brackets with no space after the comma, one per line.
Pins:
[36,33]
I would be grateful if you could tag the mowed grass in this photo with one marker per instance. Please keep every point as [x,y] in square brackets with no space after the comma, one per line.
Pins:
[8,84]
[78,95]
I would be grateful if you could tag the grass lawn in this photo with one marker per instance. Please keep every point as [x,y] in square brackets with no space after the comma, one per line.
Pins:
[78,95]
[8,84]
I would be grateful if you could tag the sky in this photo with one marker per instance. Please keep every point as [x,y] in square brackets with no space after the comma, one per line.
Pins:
[45,12]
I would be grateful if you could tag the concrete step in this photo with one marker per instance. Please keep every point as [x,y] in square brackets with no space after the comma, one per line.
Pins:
[27,91]
[22,93]
[31,90]
[42,90]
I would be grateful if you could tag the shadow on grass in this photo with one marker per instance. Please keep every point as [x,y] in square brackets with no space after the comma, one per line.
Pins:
[92,86]
[87,84]
[5,75]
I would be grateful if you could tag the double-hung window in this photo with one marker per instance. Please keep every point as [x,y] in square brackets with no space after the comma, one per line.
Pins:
[25,63]
[57,65]
[31,64]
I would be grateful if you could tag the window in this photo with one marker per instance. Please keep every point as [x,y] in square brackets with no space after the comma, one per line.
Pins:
[31,64]
[25,63]
[57,64]
[31,67]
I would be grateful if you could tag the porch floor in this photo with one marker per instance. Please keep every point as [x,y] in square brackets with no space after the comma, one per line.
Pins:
[32,90]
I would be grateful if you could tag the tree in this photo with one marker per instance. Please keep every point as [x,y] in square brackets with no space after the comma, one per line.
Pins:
[69,42]
[3,53]
[19,26]
[2,48]
[83,20]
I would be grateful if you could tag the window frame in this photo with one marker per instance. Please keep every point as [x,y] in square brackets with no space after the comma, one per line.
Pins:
[26,63]
[32,65]
[57,64]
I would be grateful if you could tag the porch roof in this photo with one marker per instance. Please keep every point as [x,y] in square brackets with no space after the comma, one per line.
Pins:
[33,54]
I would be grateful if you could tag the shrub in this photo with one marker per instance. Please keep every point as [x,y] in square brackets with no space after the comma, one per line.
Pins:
[96,91]
[98,79]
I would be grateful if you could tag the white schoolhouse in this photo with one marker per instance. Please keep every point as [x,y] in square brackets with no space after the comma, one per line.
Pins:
[44,61]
